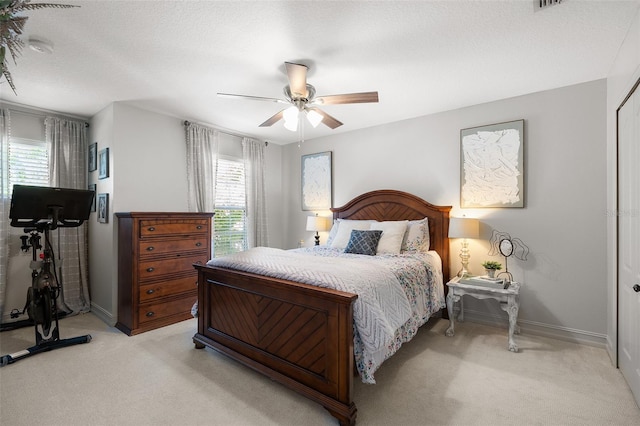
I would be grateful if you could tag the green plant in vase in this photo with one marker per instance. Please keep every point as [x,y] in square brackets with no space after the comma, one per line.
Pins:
[491,267]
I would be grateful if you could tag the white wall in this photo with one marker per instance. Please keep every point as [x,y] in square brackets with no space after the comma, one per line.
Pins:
[101,244]
[563,223]
[623,75]
[148,172]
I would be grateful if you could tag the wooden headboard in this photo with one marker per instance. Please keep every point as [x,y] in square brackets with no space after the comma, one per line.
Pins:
[388,204]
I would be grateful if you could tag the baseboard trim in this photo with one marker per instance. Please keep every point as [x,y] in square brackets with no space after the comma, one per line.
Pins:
[540,329]
[103,314]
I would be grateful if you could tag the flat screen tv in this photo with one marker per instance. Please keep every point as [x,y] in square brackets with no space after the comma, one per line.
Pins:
[57,207]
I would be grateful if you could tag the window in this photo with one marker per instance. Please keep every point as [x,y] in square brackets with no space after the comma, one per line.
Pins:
[229,221]
[28,163]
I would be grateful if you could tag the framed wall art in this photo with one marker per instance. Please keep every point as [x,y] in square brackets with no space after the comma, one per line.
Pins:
[103,208]
[492,165]
[92,187]
[103,162]
[316,181]
[93,157]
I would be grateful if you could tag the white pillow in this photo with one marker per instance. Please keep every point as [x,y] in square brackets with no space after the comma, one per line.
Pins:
[345,226]
[392,235]
[416,238]
[333,231]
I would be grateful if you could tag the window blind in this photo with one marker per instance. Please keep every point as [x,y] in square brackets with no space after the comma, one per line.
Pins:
[230,213]
[28,163]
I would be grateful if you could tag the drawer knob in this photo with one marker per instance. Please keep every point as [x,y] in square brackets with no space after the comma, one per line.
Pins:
[199,227]
[151,291]
[150,248]
[198,244]
[150,314]
[150,269]
[151,229]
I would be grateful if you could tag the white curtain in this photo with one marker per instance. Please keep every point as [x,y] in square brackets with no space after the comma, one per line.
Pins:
[5,202]
[67,143]
[253,155]
[202,154]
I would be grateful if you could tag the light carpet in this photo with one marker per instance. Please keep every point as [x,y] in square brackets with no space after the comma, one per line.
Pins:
[159,378]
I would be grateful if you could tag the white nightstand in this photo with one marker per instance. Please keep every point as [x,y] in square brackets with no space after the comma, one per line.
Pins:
[509,300]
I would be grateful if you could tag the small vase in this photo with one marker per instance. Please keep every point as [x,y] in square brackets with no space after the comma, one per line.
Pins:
[491,273]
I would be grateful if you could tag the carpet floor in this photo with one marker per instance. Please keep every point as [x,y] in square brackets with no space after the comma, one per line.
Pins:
[159,378]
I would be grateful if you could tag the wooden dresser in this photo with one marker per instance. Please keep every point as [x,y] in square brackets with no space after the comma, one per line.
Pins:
[157,283]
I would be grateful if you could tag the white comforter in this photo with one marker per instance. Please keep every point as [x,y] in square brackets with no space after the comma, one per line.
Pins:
[383,306]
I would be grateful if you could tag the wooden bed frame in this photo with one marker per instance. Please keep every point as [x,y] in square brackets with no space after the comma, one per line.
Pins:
[298,334]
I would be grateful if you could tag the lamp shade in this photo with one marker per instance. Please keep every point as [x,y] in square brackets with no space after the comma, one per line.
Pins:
[317,223]
[464,227]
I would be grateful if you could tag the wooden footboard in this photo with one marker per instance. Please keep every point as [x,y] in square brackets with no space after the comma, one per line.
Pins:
[296,334]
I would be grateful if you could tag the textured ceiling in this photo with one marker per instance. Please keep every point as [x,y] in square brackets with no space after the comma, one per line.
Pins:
[422,57]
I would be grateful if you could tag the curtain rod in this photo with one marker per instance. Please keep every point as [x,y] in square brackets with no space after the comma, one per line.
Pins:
[39,112]
[187,122]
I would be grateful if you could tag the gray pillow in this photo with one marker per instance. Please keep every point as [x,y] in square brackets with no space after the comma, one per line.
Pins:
[363,242]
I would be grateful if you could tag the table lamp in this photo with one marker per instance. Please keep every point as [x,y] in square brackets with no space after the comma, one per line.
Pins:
[318,224]
[464,227]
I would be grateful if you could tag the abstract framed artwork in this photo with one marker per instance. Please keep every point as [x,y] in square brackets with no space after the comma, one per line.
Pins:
[103,208]
[93,156]
[103,162]
[492,165]
[316,181]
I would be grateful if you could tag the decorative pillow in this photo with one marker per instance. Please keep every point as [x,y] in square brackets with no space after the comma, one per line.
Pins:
[392,235]
[345,226]
[416,239]
[363,242]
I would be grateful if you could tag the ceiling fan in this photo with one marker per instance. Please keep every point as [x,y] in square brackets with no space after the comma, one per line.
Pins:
[302,98]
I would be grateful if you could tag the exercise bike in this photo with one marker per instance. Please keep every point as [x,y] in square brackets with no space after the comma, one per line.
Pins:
[48,208]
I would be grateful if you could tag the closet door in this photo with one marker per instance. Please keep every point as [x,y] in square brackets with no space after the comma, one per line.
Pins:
[629,240]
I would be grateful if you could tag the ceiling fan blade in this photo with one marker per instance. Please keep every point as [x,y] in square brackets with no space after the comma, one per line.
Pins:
[273,119]
[347,98]
[252,98]
[297,74]
[327,120]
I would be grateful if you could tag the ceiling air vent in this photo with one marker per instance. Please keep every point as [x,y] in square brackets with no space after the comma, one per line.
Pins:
[544,4]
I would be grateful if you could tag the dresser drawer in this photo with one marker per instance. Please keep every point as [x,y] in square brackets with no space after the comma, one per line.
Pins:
[155,311]
[149,292]
[155,268]
[153,247]
[156,228]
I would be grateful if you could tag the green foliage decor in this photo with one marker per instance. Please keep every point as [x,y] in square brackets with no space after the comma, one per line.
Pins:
[490,264]
[11,25]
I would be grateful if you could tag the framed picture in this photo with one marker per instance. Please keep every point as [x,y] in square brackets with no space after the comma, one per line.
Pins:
[103,208]
[93,156]
[316,181]
[103,161]
[92,187]
[492,165]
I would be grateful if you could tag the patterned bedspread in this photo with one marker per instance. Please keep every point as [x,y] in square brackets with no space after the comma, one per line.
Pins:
[396,293]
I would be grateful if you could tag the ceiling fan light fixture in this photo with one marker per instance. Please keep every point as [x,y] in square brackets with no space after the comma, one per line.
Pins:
[302,95]
[290,116]
[291,125]
[313,117]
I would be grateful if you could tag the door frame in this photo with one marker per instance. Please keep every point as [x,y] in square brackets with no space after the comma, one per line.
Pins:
[617,225]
